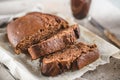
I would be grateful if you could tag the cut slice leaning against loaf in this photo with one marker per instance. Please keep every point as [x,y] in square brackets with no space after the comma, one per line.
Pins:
[33,28]
[71,58]
[57,42]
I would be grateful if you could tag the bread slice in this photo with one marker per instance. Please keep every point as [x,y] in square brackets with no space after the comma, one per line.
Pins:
[33,28]
[55,43]
[71,58]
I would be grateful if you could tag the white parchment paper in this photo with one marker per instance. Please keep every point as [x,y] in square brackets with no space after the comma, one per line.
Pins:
[23,68]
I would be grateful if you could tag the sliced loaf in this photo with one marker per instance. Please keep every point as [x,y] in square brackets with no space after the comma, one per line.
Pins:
[71,58]
[55,43]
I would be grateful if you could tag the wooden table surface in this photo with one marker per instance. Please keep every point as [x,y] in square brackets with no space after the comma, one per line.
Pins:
[108,16]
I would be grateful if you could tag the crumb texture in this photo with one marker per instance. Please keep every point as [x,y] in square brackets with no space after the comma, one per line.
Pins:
[57,42]
[72,58]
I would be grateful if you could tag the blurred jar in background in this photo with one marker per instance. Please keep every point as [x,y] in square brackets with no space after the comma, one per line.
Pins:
[80,8]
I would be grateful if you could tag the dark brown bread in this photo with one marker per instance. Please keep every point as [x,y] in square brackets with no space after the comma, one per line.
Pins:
[55,43]
[33,28]
[73,57]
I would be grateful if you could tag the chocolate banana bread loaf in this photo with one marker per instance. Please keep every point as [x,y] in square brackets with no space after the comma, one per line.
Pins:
[51,39]
[71,58]
[33,28]
[55,43]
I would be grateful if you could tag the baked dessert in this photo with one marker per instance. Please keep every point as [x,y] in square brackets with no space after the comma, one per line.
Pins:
[72,58]
[51,39]
[57,42]
[33,28]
